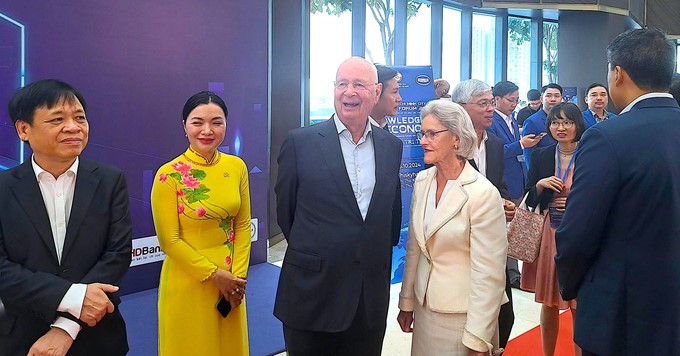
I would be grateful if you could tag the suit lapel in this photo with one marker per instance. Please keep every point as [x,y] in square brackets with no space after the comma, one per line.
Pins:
[380,150]
[86,185]
[27,193]
[504,125]
[329,144]
[452,202]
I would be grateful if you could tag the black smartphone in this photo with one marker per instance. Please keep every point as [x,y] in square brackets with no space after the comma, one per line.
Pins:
[223,306]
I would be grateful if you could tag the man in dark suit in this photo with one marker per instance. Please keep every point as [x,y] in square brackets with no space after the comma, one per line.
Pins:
[338,205]
[64,234]
[476,98]
[533,105]
[597,99]
[618,246]
[389,100]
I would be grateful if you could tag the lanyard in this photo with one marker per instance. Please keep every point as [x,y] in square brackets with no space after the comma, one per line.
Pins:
[559,163]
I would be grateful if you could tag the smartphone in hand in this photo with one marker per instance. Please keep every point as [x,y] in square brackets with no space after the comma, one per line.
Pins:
[223,306]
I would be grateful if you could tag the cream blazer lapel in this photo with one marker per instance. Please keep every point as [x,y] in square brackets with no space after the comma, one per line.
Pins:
[453,200]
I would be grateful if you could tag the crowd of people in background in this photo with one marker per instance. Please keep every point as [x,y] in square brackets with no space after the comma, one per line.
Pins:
[607,187]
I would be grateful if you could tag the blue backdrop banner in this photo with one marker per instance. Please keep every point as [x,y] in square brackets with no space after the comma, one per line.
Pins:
[416,88]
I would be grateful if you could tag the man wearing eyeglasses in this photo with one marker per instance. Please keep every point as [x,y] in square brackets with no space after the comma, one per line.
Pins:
[551,95]
[476,98]
[597,100]
[338,205]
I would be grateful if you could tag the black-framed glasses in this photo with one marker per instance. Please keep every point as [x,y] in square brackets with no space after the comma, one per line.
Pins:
[514,101]
[429,134]
[345,84]
[566,124]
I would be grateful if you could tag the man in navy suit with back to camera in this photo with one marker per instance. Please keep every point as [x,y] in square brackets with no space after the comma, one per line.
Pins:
[65,234]
[618,246]
[338,204]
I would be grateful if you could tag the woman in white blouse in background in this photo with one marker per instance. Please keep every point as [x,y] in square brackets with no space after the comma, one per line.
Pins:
[454,277]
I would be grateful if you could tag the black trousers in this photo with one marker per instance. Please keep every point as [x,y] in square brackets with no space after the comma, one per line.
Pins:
[358,340]
[506,317]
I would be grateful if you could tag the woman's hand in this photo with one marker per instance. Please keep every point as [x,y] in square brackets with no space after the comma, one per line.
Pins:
[405,320]
[553,183]
[560,204]
[229,285]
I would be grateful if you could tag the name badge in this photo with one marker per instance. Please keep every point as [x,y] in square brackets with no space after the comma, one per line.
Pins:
[520,158]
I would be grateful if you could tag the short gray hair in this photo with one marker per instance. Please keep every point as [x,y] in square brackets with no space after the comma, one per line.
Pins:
[457,121]
[466,90]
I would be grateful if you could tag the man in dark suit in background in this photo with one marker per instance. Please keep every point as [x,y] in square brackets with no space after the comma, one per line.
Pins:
[389,100]
[65,234]
[476,98]
[618,247]
[597,99]
[338,194]
[533,105]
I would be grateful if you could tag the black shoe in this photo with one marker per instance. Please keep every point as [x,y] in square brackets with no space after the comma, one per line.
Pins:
[514,284]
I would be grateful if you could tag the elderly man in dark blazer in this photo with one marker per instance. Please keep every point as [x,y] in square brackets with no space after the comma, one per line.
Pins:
[618,247]
[477,99]
[338,205]
[64,234]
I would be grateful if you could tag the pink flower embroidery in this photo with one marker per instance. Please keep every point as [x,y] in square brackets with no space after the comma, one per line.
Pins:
[190,182]
[231,236]
[200,211]
[182,167]
[180,193]
[163,177]
[180,208]
[227,261]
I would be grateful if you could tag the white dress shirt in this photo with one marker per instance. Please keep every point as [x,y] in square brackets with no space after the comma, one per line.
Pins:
[643,97]
[359,162]
[480,157]
[508,121]
[57,195]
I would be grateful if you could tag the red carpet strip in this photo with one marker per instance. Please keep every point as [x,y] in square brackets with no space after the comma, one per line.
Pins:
[529,343]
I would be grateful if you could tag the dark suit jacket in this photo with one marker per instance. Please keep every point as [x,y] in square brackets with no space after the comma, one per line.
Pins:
[514,170]
[97,248]
[494,165]
[590,120]
[524,114]
[333,254]
[618,246]
[542,166]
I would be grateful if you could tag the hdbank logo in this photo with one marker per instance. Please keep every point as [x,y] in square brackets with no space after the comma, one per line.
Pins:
[423,80]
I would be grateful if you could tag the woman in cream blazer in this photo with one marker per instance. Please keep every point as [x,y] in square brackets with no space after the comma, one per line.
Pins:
[454,277]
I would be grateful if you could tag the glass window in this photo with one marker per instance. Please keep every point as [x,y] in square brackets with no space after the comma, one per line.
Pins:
[550,32]
[483,47]
[380,32]
[418,34]
[451,46]
[519,54]
[325,57]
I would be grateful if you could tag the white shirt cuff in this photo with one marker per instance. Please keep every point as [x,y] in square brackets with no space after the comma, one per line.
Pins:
[72,302]
[70,326]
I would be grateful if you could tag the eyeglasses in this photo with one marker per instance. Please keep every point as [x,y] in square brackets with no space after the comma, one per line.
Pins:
[566,124]
[344,85]
[484,103]
[516,101]
[429,134]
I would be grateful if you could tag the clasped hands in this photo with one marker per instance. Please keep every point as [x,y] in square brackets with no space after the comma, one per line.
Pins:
[232,288]
[96,304]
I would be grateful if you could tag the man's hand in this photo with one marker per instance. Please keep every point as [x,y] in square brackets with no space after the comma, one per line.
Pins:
[529,141]
[96,303]
[55,342]
[509,208]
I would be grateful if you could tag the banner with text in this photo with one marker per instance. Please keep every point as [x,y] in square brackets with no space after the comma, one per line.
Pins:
[416,87]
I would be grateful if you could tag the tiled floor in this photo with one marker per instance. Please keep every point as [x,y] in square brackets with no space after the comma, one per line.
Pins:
[398,343]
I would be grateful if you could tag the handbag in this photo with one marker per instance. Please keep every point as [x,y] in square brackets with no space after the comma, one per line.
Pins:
[524,233]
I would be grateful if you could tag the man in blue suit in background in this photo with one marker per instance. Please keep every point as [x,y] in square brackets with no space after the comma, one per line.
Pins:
[551,95]
[618,247]
[597,100]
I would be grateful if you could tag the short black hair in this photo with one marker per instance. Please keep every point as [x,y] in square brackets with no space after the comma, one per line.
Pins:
[569,111]
[647,56]
[533,94]
[675,87]
[594,85]
[204,97]
[385,74]
[504,88]
[551,86]
[43,93]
